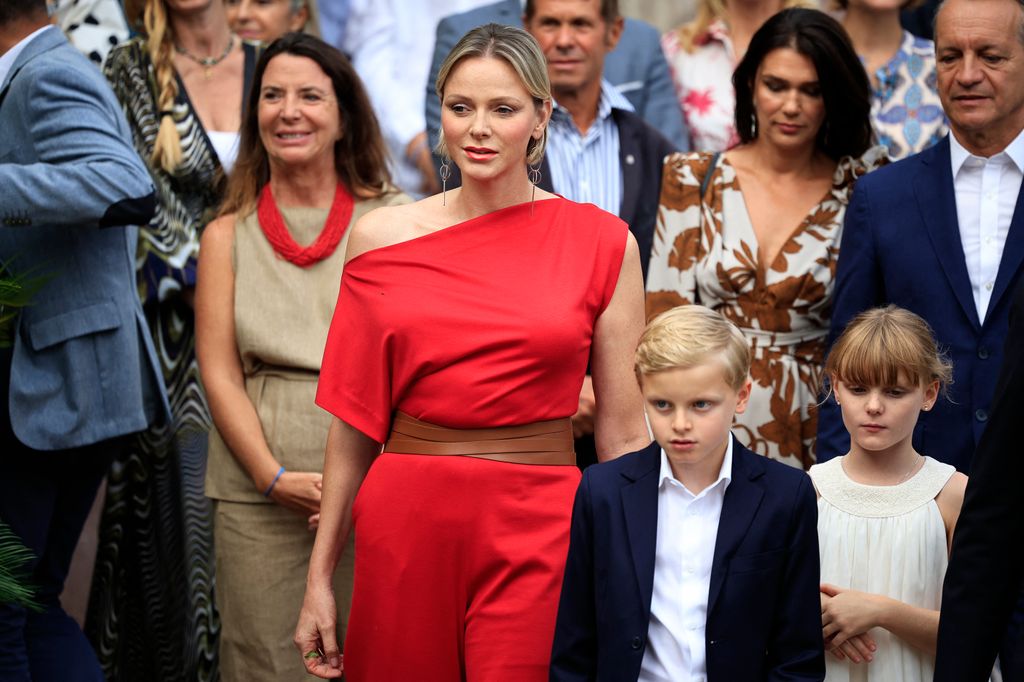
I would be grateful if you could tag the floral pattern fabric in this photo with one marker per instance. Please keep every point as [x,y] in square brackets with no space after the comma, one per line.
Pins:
[706,252]
[703,80]
[905,109]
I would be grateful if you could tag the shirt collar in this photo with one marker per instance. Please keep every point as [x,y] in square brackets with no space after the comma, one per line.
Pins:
[958,155]
[610,99]
[724,474]
[8,58]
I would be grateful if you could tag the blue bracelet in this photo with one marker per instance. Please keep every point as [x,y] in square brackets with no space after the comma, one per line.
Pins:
[274,482]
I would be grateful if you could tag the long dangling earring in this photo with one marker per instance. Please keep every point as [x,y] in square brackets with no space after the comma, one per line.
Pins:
[534,175]
[445,172]
[753,125]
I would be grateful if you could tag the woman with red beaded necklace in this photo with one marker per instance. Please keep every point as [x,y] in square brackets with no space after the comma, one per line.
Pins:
[312,161]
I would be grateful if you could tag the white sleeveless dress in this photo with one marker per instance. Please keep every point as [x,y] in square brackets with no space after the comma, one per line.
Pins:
[887,540]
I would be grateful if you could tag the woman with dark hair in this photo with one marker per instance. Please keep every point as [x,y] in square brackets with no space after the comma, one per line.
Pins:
[311,163]
[754,232]
[454,362]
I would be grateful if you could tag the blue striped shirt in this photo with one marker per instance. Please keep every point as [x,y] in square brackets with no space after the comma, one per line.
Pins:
[585,168]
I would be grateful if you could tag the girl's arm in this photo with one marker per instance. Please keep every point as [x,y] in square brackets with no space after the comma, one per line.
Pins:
[619,424]
[849,612]
[221,370]
[347,458]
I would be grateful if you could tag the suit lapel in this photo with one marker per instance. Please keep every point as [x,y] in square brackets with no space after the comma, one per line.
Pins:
[629,162]
[1013,255]
[742,498]
[44,41]
[640,507]
[936,199]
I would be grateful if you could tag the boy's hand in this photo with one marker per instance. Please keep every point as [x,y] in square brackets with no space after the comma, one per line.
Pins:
[848,613]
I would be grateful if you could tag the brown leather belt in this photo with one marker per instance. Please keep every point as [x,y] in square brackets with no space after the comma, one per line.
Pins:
[547,442]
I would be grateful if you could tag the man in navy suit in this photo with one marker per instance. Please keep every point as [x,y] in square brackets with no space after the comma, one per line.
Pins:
[942,232]
[637,67]
[82,372]
[694,558]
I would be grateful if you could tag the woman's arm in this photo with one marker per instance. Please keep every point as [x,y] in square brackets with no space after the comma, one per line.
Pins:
[221,370]
[347,458]
[619,424]
[677,244]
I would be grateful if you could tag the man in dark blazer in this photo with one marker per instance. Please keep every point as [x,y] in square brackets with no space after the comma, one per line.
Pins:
[82,372]
[986,566]
[942,232]
[763,611]
[637,68]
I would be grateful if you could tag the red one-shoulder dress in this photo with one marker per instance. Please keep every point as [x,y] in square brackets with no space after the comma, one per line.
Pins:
[486,323]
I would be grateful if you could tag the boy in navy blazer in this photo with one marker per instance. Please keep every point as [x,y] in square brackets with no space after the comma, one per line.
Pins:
[693,559]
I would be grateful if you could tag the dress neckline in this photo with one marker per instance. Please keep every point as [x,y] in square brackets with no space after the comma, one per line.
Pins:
[460,226]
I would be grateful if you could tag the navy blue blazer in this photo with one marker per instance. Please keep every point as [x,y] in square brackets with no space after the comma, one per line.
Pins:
[901,244]
[764,612]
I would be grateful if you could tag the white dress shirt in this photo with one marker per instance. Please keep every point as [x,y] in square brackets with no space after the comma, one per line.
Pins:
[8,58]
[986,192]
[687,533]
[586,168]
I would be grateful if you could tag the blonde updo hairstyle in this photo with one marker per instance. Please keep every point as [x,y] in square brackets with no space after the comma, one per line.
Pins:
[883,346]
[690,335]
[521,51]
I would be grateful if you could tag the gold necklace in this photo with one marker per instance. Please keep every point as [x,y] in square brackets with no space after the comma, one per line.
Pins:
[207,62]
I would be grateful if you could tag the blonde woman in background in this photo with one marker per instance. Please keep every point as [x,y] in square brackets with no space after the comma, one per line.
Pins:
[702,55]
[181,84]
[267,20]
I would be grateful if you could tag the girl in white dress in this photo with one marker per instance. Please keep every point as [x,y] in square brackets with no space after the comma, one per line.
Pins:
[885,513]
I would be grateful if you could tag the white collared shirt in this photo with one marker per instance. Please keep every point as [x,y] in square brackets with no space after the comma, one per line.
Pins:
[8,58]
[986,192]
[585,167]
[687,533]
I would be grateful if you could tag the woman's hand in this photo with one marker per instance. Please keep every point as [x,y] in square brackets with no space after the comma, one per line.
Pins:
[846,614]
[298,491]
[858,648]
[316,635]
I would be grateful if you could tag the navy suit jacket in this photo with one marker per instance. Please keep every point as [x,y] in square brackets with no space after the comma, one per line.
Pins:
[901,244]
[764,612]
[72,188]
[642,152]
[636,66]
[986,565]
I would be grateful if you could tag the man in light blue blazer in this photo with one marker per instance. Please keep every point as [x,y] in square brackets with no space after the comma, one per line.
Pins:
[637,67]
[81,373]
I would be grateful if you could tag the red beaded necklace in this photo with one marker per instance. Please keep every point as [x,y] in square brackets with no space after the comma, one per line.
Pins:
[326,242]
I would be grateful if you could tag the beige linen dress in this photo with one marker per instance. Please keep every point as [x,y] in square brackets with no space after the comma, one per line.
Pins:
[282,313]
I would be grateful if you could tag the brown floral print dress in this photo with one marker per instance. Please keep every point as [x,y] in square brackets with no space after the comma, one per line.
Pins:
[706,252]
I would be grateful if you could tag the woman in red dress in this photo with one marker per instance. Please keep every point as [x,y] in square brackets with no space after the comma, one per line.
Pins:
[469,319]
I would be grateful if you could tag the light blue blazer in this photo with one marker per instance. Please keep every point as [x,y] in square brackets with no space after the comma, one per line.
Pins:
[72,189]
[636,66]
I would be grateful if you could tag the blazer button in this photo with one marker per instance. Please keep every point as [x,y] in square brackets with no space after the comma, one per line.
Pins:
[981,415]
[636,643]
[983,353]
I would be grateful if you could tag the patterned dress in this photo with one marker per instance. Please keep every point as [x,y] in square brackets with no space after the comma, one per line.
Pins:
[151,614]
[905,109]
[703,80]
[707,253]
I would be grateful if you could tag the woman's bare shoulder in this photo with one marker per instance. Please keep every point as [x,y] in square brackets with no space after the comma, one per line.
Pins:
[388,225]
